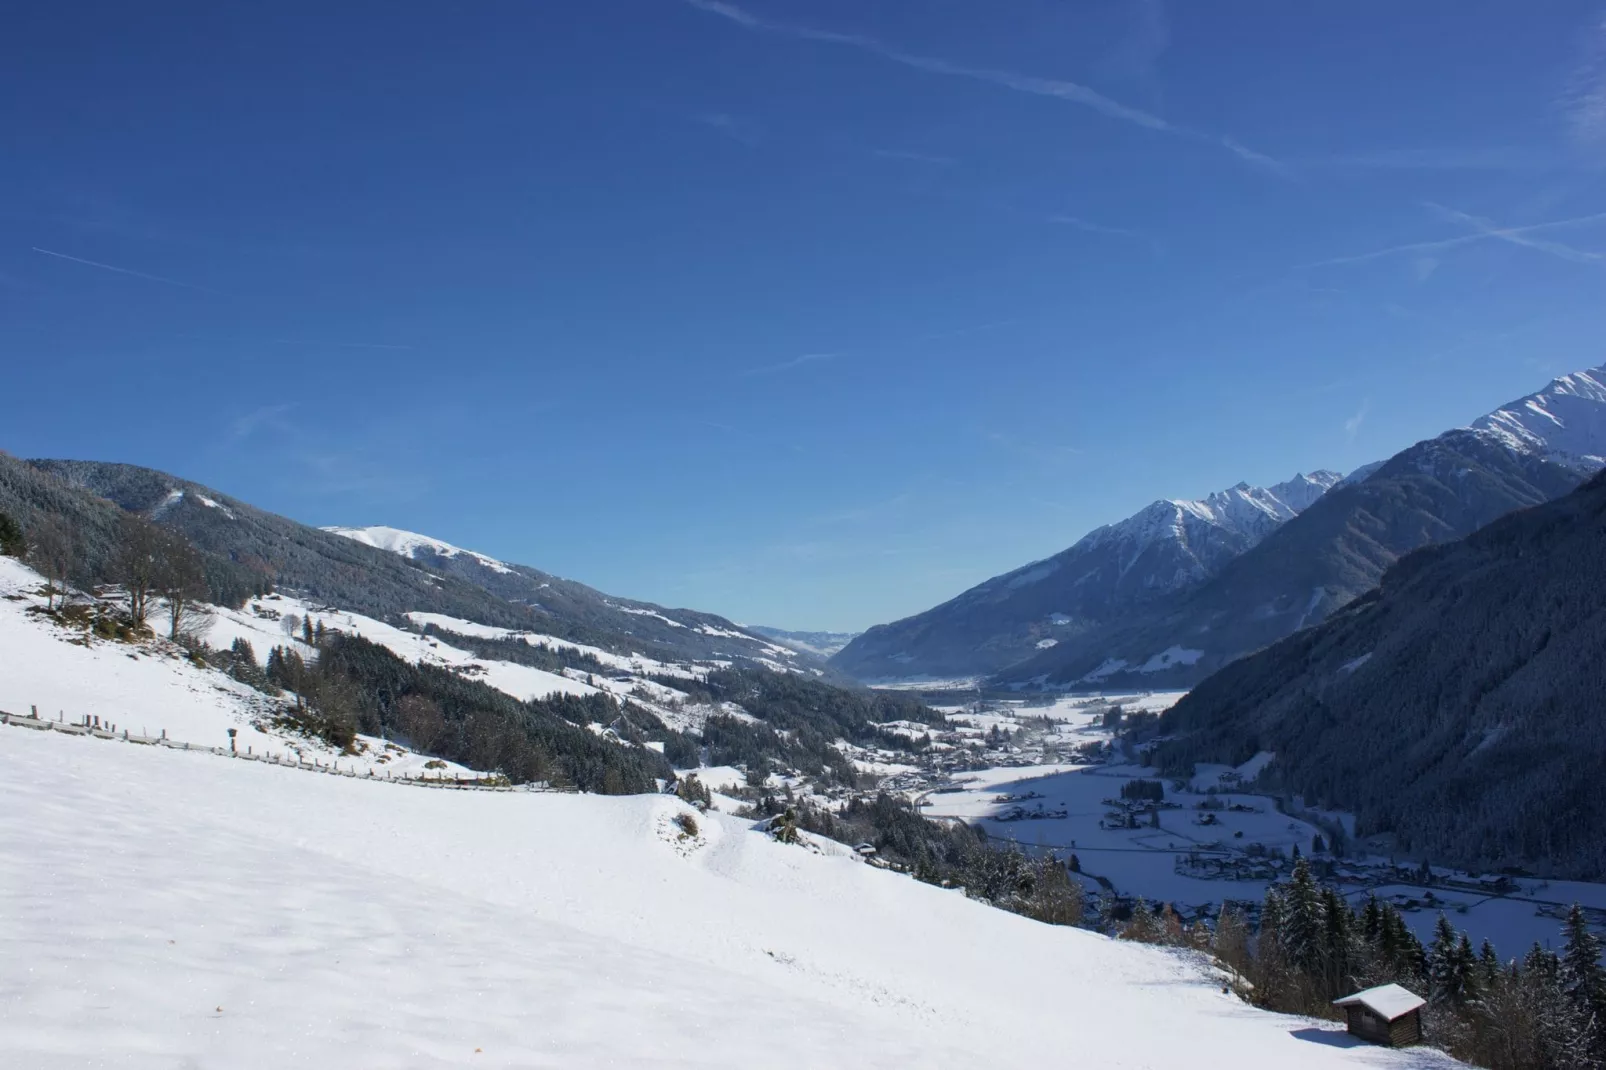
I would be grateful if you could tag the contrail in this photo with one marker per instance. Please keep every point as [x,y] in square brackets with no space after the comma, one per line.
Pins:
[122,271]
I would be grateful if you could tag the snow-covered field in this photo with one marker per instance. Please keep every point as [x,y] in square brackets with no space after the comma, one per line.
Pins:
[170,909]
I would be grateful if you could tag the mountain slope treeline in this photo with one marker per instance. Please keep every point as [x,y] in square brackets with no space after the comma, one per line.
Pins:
[1457,707]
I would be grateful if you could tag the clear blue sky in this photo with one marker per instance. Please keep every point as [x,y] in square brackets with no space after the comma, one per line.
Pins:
[808,313]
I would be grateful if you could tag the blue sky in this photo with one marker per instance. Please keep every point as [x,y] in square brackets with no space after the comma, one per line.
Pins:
[808,313]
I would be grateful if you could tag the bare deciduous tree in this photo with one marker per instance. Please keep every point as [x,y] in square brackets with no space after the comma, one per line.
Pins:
[51,551]
[139,564]
[182,580]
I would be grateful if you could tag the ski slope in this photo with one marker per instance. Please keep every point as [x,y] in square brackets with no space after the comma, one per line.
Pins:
[162,908]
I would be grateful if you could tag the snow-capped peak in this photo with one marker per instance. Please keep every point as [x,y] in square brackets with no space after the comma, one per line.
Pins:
[1564,423]
[407,543]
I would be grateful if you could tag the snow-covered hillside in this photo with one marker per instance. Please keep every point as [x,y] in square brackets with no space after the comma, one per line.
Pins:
[151,689]
[408,543]
[1564,423]
[176,909]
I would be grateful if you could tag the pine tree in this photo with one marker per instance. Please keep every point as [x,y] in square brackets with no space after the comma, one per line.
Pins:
[1304,925]
[1338,950]
[1489,972]
[1580,976]
[1371,919]
[1450,965]
[12,544]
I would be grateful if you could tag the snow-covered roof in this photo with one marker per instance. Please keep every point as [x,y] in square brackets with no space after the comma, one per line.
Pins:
[1386,1001]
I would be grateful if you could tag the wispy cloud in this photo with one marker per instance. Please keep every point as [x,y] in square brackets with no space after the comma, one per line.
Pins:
[1055,88]
[1352,426]
[788,365]
[122,270]
[263,418]
[1583,103]
[1049,453]
[1424,267]
[915,157]
[1092,228]
[1514,235]
[1486,231]
[316,343]
[1498,158]
[733,127]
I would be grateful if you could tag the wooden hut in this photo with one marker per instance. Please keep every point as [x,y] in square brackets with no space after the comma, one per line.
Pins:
[1387,1014]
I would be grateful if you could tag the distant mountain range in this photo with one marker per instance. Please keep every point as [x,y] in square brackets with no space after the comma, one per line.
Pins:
[1169,547]
[1454,709]
[1166,597]
[816,644]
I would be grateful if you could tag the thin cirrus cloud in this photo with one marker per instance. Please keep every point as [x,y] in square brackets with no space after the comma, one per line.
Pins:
[1352,426]
[1583,103]
[1515,236]
[123,271]
[915,157]
[1484,230]
[1078,223]
[788,365]
[1055,88]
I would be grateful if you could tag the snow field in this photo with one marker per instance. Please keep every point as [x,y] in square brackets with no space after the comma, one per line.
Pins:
[163,909]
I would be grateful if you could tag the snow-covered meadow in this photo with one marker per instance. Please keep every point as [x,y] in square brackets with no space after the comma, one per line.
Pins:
[163,908]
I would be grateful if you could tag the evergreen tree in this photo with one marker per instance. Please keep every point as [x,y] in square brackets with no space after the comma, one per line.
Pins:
[1489,973]
[1371,919]
[1303,926]
[1450,965]
[1580,975]
[12,544]
[1339,951]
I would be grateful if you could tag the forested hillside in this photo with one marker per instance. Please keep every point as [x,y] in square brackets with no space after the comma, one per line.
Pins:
[1457,707]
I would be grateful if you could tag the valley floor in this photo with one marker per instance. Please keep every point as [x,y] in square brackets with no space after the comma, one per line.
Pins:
[161,908]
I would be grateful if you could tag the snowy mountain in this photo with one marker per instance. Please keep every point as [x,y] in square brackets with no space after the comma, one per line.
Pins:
[1169,546]
[586,615]
[1565,423]
[1530,451]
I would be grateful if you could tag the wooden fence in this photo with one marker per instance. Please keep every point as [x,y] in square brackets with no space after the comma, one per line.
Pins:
[92,726]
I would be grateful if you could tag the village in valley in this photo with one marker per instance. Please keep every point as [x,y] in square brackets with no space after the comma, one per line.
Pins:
[1052,774]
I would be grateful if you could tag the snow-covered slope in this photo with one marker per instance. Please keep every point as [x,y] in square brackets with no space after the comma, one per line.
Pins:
[150,689]
[169,909]
[1565,423]
[1169,546]
[553,603]
[409,543]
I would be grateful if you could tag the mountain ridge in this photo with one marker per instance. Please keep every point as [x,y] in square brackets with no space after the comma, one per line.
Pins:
[1527,452]
[1170,544]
